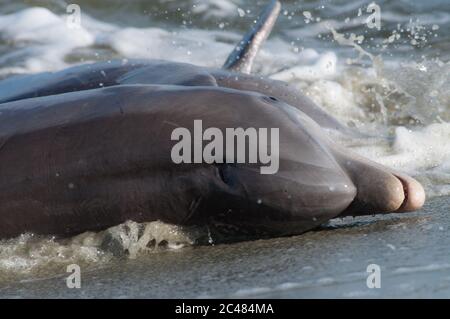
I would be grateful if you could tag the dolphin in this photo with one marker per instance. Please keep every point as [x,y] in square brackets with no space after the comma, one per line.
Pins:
[90,147]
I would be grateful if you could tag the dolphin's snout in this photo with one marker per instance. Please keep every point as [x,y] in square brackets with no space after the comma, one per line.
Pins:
[414,194]
[380,189]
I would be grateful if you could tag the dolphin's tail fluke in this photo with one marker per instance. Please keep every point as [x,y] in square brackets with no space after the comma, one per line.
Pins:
[243,55]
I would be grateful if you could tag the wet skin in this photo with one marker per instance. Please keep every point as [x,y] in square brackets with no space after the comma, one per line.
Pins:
[96,157]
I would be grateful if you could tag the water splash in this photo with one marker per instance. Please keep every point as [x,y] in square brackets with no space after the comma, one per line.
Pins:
[31,256]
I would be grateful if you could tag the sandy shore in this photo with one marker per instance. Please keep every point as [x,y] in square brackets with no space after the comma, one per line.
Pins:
[412,251]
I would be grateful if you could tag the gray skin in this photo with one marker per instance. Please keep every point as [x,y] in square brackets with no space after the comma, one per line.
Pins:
[117,72]
[88,160]
[92,159]
[89,147]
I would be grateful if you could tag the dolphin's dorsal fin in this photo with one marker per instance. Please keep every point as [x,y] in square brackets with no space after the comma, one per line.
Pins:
[243,55]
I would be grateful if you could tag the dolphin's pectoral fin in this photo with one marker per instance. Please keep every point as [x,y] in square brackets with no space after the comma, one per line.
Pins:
[243,55]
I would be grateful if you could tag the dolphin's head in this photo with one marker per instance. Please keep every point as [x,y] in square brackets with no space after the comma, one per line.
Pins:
[314,180]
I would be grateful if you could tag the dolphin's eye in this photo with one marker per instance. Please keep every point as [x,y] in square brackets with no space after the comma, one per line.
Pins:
[223,172]
[270,99]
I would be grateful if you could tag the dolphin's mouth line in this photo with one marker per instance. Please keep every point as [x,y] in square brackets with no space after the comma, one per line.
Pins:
[413,192]
[405,193]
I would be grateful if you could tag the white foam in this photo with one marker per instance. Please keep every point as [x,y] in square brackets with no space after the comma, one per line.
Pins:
[246,292]
[426,268]
[30,256]
[193,46]
[334,97]
[323,68]
[423,153]
[42,39]
[213,9]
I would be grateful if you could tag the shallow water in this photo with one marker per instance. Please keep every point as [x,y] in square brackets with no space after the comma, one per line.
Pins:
[411,250]
[392,82]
